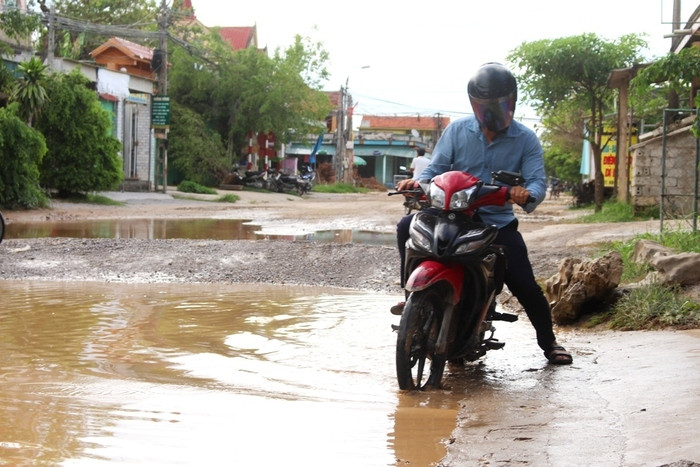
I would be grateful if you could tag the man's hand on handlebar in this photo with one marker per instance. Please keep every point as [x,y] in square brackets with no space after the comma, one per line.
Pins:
[406,184]
[519,195]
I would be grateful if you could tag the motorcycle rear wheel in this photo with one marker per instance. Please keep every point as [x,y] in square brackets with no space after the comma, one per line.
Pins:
[417,337]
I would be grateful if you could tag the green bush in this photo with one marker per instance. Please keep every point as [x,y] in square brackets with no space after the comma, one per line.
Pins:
[21,151]
[82,155]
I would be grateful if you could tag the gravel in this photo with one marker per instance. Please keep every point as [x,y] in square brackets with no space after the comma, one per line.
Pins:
[357,266]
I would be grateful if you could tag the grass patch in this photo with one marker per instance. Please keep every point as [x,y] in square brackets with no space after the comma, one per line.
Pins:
[192,187]
[339,188]
[651,307]
[615,211]
[227,198]
[94,199]
[680,241]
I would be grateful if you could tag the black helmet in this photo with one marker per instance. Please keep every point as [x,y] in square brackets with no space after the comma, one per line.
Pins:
[492,93]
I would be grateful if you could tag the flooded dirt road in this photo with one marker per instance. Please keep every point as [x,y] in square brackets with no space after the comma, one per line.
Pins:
[198,375]
[167,374]
[104,370]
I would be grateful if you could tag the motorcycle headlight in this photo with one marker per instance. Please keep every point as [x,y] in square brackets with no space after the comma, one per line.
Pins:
[470,246]
[462,199]
[437,196]
[420,239]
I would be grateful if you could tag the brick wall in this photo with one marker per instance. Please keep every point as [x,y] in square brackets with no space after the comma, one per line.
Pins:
[680,167]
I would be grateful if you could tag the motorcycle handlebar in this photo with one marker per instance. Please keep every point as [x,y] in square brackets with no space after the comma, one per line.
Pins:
[530,199]
[413,191]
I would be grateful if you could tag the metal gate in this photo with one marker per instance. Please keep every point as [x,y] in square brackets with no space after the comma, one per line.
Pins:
[683,206]
[130,141]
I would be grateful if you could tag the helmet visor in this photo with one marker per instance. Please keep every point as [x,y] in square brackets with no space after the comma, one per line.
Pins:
[494,114]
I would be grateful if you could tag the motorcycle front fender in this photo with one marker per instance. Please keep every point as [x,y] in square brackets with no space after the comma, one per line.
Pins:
[430,272]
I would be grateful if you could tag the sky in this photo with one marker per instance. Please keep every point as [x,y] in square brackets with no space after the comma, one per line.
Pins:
[408,57]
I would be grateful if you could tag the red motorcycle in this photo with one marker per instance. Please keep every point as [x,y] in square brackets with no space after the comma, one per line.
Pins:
[453,272]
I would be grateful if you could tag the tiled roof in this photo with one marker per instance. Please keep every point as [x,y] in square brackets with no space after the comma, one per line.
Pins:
[240,37]
[128,48]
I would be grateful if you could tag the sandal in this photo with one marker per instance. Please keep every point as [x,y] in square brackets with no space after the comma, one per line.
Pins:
[397,309]
[557,355]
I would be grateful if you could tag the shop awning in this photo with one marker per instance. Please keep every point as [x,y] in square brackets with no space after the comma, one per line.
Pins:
[374,151]
[305,150]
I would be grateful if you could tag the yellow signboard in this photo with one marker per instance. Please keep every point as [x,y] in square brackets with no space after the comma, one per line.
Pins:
[609,154]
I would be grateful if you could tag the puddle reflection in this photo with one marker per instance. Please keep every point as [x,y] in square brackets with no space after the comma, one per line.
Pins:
[159,229]
[207,374]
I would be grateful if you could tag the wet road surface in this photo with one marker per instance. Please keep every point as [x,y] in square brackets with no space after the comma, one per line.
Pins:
[162,374]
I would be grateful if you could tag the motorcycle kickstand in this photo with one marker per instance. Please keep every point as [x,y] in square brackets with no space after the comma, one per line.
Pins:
[492,343]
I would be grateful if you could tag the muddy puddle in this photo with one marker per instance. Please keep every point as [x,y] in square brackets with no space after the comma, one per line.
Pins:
[164,374]
[94,373]
[211,229]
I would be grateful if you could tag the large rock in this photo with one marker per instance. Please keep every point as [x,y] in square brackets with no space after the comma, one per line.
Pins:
[670,268]
[582,282]
[646,250]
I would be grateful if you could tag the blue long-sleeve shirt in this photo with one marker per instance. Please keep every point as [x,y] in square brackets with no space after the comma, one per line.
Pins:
[463,146]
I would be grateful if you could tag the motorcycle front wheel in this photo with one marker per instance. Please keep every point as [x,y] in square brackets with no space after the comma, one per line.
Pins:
[417,337]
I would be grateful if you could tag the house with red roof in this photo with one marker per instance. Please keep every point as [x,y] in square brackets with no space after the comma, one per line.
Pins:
[119,54]
[239,37]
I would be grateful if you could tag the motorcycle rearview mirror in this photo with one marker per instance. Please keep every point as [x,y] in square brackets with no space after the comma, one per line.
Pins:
[507,177]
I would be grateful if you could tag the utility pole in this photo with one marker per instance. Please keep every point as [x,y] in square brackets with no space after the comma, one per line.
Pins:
[340,140]
[161,99]
[673,100]
[349,152]
[52,37]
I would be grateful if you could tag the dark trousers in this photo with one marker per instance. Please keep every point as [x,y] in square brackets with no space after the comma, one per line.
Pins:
[519,277]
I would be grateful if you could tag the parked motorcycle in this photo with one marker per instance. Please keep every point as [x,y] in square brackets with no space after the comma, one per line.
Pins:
[301,184]
[250,178]
[453,274]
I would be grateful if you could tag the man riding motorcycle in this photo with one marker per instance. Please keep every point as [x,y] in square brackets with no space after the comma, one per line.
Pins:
[484,143]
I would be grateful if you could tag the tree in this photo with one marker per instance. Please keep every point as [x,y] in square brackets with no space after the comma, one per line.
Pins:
[73,41]
[194,149]
[7,82]
[679,71]
[561,140]
[573,72]
[82,156]
[17,25]
[248,91]
[29,91]
[21,151]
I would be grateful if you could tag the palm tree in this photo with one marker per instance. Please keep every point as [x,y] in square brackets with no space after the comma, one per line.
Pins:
[29,91]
